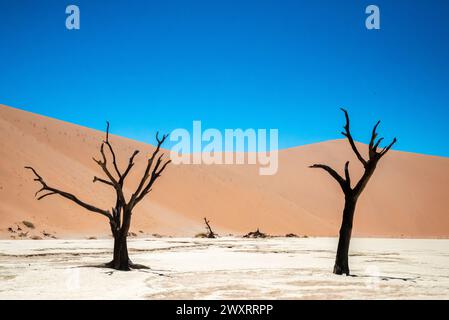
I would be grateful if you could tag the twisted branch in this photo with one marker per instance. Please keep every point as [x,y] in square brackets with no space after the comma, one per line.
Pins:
[52,191]
[144,188]
[344,184]
[348,135]
[155,167]
[369,164]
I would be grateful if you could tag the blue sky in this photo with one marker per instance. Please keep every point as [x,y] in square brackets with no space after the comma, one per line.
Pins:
[290,65]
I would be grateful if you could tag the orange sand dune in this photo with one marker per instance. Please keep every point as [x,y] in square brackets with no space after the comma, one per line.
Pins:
[407,196]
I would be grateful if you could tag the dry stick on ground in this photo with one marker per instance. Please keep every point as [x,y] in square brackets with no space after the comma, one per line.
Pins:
[352,193]
[210,233]
[119,216]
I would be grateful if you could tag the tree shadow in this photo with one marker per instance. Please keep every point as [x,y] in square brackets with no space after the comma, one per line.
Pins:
[384,278]
[133,266]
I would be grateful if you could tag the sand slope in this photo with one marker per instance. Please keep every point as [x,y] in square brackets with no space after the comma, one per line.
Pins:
[407,196]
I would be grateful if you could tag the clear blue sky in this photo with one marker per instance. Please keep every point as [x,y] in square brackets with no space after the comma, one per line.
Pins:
[159,65]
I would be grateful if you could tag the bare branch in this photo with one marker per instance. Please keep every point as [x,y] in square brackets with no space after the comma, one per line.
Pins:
[107,130]
[386,149]
[103,181]
[154,175]
[66,195]
[210,233]
[158,163]
[38,177]
[128,169]
[348,135]
[114,162]
[103,165]
[142,195]
[160,141]
[47,194]
[144,188]
[163,168]
[373,136]
[333,173]
[114,182]
[150,161]
[376,145]
[348,178]
[40,190]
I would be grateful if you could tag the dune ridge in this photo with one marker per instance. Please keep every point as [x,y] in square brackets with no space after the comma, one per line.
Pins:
[408,195]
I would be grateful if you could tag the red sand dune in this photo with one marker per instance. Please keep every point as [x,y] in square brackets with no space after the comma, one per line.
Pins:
[407,196]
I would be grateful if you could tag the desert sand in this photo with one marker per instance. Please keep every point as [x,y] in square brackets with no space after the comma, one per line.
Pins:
[408,195]
[226,268]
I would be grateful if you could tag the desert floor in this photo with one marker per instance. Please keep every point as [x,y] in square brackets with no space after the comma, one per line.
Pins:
[225,268]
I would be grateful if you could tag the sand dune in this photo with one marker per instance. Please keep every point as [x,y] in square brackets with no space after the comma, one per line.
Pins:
[408,195]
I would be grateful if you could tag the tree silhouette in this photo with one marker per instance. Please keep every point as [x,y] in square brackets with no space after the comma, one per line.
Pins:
[352,193]
[210,233]
[119,216]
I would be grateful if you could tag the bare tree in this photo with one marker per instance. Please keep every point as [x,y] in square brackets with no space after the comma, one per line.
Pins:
[119,216]
[352,193]
[210,233]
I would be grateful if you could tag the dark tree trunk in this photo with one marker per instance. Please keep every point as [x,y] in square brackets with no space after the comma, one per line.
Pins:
[341,261]
[121,258]
[210,233]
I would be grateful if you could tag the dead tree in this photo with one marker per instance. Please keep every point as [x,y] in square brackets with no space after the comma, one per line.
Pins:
[352,193]
[210,233]
[119,217]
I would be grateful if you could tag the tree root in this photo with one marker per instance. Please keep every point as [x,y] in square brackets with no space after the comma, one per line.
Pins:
[130,266]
